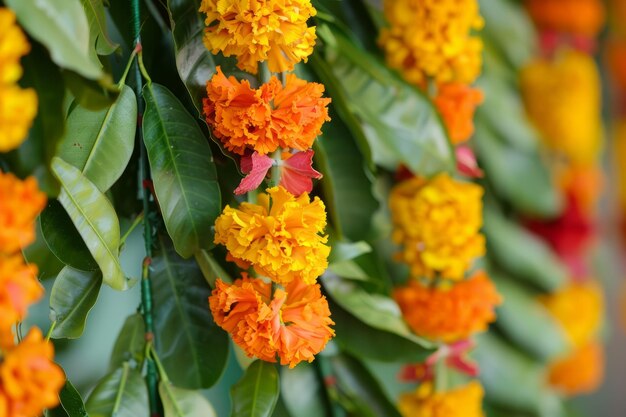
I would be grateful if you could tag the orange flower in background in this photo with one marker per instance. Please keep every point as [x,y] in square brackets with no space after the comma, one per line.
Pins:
[584,183]
[449,314]
[432,38]
[266,118]
[580,373]
[437,222]
[280,237]
[294,324]
[457,102]
[576,17]
[616,62]
[260,30]
[579,308]
[463,401]
[29,379]
[21,202]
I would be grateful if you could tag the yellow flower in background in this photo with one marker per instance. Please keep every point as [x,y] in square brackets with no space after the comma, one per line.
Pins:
[579,308]
[432,38]
[18,108]
[581,372]
[280,237]
[13,46]
[463,401]
[260,30]
[437,222]
[563,100]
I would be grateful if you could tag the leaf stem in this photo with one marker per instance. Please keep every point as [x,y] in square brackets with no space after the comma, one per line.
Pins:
[132,227]
[50,330]
[122,80]
[155,357]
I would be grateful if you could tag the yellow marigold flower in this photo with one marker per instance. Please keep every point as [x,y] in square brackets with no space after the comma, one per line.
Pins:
[18,108]
[579,373]
[463,401]
[577,17]
[260,30]
[29,379]
[13,45]
[579,309]
[437,222]
[21,203]
[294,324]
[449,314]
[432,38]
[562,99]
[280,236]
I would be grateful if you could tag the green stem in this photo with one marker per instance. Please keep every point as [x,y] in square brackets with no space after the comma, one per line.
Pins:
[132,227]
[275,177]
[155,357]
[142,68]
[122,81]
[441,376]
[50,330]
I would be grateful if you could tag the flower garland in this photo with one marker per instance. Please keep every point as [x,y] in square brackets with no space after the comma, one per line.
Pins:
[29,379]
[281,313]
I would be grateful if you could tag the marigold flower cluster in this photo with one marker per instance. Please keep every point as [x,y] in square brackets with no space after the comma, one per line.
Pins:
[462,401]
[437,223]
[17,106]
[581,372]
[260,30]
[573,17]
[449,314]
[457,102]
[264,119]
[562,99]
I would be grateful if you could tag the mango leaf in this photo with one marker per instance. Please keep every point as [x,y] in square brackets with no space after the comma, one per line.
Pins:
[195,63]
[73,295]
[100,143]
[39,253]
[122,393]
[63,28]
[63,239]
[520,253]
[184,325]
[399,122]
[95,218]
[91,94]
[71,404]
[341,259]
[538,333]
[99,41]
[178,402]
[256,393]
[361,389]
[211,269]
[302,392]
[131,342]
[184,175]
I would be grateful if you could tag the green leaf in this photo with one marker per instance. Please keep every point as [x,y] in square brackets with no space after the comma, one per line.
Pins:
[95,218]
[341,259]
[62,27]
[184,325]
[520,253]
[39,253]
[361,388]
[73,295]
[302,392]
[91,94]
[211,270]
[99,41]
[256,393]
[122,393]
[184,175]
[63,239]
[195,63]
[100,143]
[178,402]
[131,342]
[71,403]
[399,122]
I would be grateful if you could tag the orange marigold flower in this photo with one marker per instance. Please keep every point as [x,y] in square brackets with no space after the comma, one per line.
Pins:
[562,99]
[29,379]
[576,17]
[432,38]
[437,222]
[463,401]
[457,102]
[280,236]
[18,108]
[579,373]
[21,202]
[19,288]
[294,324]
[13,45]
[579,309]
[585,183]
[449,314]
[260,30]
[266,118]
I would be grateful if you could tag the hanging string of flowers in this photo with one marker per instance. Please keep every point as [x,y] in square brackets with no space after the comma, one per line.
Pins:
[561,93]
[276,309]
[29,379]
